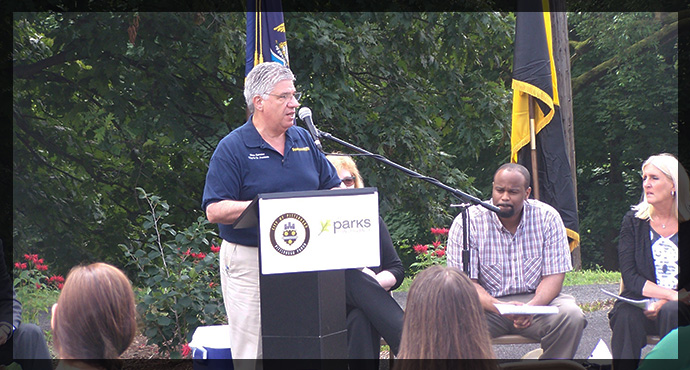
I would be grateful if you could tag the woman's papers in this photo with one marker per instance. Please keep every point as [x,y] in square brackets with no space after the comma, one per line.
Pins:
[641,303]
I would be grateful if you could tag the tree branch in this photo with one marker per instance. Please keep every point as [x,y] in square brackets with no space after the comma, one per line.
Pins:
[26,71]
[54,147]
[661,36]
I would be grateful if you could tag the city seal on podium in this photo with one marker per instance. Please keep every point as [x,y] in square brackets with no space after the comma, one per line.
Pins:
[289,234]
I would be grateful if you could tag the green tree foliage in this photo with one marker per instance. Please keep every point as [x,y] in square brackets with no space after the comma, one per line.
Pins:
[99,111]
[625,92]
[421,89]
[107,102]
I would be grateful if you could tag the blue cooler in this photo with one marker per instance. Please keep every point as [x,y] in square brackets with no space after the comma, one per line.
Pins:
[211,348]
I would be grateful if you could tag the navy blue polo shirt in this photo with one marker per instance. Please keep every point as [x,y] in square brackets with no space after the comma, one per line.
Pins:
[244,165]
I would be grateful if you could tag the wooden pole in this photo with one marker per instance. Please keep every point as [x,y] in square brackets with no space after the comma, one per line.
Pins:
[561,56]
[533,148]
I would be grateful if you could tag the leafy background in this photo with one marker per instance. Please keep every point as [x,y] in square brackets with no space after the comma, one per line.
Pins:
[98,113]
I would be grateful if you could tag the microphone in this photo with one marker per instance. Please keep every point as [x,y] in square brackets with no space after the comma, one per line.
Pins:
[305,115]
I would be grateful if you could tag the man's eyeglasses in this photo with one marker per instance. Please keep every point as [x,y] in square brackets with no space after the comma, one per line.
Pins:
[287,96]
[348,181]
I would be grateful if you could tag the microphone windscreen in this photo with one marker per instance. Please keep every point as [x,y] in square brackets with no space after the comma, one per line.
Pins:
[304,112]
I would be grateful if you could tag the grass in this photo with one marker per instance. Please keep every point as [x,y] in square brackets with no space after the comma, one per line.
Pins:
[589,277]
[606,304]
[580,277]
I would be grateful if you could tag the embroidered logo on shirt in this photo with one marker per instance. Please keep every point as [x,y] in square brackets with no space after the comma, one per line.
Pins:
[305,149]
[257,156]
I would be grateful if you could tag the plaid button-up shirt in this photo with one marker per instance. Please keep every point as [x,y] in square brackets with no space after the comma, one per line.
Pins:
[505,263]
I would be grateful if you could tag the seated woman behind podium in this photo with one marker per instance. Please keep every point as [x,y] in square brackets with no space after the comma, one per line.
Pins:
[371,310]
[444,325]
[94,319]
[650,255]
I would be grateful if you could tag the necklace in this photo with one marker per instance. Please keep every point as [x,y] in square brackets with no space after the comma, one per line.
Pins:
[663,224]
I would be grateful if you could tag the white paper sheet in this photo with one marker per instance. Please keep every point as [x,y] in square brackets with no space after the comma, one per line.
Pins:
[601,352]
[511,309]
[642,303]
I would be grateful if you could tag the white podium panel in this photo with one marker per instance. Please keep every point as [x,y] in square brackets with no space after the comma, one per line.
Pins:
[336,229]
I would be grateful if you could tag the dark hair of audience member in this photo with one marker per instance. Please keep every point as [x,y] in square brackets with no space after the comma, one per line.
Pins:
[94,320]
[444,323]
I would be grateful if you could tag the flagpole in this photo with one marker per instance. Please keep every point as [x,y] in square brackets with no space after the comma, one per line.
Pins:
[533,147]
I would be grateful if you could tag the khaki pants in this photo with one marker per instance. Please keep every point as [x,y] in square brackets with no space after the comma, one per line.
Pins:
[559,334]
[239,279]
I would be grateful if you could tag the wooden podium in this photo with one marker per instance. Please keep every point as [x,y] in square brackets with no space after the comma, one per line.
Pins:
[307,240]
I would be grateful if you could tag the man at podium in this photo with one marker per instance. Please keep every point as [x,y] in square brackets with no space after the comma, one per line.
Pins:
[267,154]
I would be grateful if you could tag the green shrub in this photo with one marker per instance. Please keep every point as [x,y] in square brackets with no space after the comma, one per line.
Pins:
[36,291]
[431,254]
[179,273]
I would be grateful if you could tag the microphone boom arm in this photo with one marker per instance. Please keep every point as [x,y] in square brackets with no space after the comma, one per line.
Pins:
[457,193]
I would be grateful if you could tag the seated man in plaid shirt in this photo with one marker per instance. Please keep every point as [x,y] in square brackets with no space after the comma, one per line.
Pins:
[520,256]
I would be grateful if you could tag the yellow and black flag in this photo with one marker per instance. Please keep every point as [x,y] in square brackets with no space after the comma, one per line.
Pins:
[266,41]
[534,78]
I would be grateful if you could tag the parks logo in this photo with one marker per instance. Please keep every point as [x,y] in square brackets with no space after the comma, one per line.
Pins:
[289,234]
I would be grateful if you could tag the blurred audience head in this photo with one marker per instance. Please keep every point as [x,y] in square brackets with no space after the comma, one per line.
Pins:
[444,320]
[95,315]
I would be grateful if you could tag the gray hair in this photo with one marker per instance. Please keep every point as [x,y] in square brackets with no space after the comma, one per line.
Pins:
[262,79]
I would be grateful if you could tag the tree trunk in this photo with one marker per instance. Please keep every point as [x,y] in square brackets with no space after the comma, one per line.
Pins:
[561,56]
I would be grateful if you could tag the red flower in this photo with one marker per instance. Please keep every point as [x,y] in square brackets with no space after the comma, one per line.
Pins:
[19,265]
[38,286]
[214,248]
[200,255]
[56,279]
[39,261]
[186,350]
[27,257]
[188,252]
[420,248]
[438,231]
[42,267]
[436,243]
[60,285]
[440,252]
[24,265]
[212,284]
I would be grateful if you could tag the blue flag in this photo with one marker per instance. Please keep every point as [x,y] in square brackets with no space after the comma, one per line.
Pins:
[266,40]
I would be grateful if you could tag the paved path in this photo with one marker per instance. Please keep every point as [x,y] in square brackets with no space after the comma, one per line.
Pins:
[597,322]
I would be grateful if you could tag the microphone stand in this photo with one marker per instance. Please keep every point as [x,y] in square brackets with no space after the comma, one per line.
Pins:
[457,193]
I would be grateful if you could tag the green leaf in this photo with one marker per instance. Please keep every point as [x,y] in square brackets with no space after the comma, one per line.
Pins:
[163,321]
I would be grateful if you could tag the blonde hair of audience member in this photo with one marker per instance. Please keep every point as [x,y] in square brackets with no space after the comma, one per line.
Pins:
[674,171]
[344,163]
[94,319]
[444,320]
